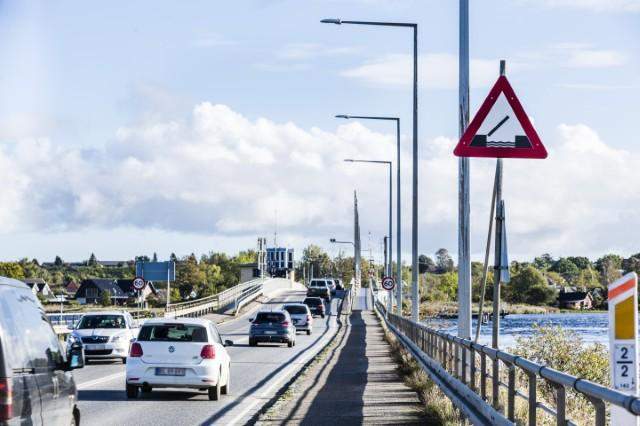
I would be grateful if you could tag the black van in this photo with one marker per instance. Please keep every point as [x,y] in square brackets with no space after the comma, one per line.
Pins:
[36,384]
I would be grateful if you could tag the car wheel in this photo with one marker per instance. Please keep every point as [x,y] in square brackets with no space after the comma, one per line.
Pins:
[253,342]
[290,344]
[124,360]
[214,392]
[226,387]
[132,391]
[146,389]
[308,332]
[322,315]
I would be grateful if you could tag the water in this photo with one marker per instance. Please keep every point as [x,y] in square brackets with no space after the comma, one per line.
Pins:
[592,328]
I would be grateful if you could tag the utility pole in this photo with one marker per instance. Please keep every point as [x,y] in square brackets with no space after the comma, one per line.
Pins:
[464,261]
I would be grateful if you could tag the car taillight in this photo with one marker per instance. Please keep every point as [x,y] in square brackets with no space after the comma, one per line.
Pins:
[285,324]
[136,350]
[6,400]
[208,352]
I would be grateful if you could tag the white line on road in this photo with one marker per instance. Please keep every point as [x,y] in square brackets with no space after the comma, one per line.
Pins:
[277,382]
[100,380]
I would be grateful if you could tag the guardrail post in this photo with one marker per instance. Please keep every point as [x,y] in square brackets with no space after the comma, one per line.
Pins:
[511,393]
[472,369]
[561,403]
[601,410]
[464,364]
[483,375]
[495,383]
[533,400]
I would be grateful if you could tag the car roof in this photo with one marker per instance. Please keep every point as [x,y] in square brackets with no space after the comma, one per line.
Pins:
[294,304]
[275,311]
[104,313]
[10,282]
[195,321]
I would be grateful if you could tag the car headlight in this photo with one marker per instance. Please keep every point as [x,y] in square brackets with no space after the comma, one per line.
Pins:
[72,339]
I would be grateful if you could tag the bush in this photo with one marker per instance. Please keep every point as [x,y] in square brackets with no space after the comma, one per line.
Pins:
[105,298]
[565,351]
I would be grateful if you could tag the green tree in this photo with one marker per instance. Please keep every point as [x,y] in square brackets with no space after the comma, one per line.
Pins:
[58,262]
[580,261]
[529,286]
[93,261]
[566,268]
[444,262]
[609,267]
[11,270]
[425,264]
[316,256]
[105,298]
[543,262]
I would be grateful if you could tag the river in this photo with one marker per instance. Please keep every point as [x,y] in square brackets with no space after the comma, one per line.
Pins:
[591,327]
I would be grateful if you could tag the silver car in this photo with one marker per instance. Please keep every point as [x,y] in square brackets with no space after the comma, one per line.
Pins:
[301,316]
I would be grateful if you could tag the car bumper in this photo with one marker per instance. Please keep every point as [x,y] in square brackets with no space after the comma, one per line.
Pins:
[303,327]
[109,351]
[275,338]
[196,376]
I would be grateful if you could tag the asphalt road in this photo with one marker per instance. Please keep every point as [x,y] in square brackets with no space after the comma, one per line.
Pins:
[256,374]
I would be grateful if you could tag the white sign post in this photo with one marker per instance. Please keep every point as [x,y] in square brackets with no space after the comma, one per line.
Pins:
[623,338]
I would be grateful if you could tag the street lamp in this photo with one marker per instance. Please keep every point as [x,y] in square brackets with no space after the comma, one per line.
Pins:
[390,164]
[414,208]
[334,241]
[398,204]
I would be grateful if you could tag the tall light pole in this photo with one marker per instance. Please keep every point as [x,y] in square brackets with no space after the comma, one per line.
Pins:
[414,209]
[398,207]
[390,164]
[464,256]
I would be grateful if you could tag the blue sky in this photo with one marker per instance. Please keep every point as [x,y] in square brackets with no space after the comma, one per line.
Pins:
[99,98]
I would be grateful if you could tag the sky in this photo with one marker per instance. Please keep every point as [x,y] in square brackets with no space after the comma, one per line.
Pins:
[129,128]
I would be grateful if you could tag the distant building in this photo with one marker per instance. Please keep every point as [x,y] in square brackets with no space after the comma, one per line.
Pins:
[39,286]
[279,261]
[121,291]
[71,287]
[248,272]
[575,300]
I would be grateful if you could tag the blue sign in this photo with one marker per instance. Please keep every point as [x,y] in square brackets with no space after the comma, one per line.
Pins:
[156,271]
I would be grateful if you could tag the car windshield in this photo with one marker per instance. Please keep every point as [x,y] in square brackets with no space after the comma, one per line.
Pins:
[312,302]
[172,333]
[318,284]
[102,321]
[268,317]
[296,309]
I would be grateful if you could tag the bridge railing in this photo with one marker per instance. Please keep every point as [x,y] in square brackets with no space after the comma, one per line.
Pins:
[462,366]
[237,295]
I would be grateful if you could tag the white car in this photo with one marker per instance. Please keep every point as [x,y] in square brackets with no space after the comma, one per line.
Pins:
[104,335]
[179,353]
[301,316]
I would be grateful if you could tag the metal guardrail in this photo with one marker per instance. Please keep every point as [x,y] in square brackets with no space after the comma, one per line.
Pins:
[455,362]
[214,303]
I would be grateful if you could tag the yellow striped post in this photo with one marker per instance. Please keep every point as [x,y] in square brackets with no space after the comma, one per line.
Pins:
[623,338]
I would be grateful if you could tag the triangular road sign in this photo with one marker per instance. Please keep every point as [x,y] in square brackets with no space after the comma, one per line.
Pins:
[501,128]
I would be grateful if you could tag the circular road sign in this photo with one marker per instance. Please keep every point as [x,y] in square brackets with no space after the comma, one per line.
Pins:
[139,283]
[388,283]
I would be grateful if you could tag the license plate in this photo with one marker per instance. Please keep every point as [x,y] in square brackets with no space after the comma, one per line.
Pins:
[95,347]
[164,371]
[270,332]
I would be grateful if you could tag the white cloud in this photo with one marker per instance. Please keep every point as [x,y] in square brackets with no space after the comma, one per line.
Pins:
[591,5]
[219,173]
[591,58]
[212,40]
[437,71]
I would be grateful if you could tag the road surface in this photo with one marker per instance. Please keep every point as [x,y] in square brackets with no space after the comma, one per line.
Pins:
[256,374]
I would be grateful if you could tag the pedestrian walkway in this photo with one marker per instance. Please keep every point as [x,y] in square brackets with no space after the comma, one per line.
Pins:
[357,383]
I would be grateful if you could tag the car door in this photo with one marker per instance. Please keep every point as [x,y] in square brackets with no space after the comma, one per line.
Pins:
[17,358]
[47,360]
[220,348]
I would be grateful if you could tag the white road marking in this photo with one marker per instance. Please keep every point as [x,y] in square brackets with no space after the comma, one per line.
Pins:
[277,382]
[101,380]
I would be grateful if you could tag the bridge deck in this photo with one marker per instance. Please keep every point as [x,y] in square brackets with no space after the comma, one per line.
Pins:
[357,383]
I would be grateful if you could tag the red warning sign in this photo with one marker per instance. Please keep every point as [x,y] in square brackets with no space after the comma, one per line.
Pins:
[501,128]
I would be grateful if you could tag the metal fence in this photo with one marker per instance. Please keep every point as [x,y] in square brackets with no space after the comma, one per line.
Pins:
[469,368]
[235,296]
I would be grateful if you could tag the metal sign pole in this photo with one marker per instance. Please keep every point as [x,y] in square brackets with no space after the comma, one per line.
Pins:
[168,286]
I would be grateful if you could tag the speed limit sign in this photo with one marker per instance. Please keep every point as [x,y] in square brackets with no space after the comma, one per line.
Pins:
[139,283]
[388,283]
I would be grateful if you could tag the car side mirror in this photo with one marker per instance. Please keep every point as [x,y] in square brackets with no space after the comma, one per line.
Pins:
[250,319]
[75,357]
[228,343]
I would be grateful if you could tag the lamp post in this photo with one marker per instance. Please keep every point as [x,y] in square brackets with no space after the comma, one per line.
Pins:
[398,208]
[414,208]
